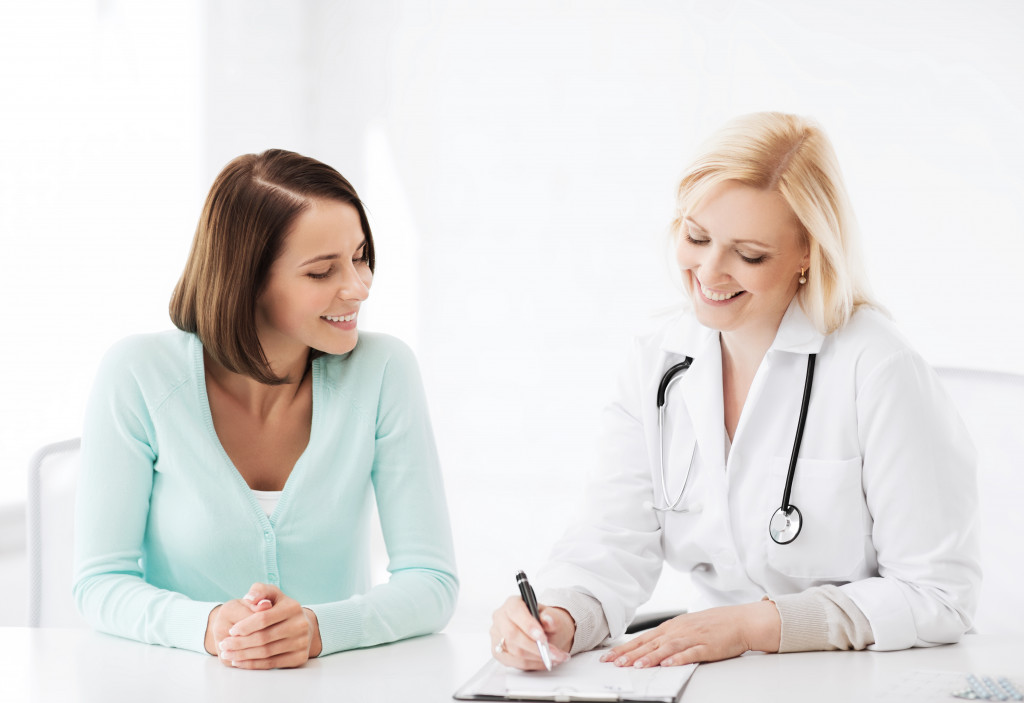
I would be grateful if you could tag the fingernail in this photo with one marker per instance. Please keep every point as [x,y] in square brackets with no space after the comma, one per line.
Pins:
[607,656]
[547,619]
[536,634]
[248,597]
[620,661]
[667,662]
[225,655]
[222,645]
[234,663]
[640,664]
[263,601]
[233,632]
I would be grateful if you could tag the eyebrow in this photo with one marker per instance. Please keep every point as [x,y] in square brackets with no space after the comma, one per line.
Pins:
[328,257]
[734,241]
[321,257]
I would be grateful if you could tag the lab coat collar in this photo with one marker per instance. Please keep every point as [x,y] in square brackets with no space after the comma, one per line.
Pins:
[687,337]
[797,334]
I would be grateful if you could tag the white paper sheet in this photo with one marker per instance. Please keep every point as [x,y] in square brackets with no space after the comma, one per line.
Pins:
[583,677]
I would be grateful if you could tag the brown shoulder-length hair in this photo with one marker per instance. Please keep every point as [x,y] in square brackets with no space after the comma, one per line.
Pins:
[249,211]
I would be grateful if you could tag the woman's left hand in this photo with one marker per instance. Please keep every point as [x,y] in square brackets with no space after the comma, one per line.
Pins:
[285,635]
[705,636]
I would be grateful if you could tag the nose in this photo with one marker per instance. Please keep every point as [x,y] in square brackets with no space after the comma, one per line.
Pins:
[355,283]
[710,264]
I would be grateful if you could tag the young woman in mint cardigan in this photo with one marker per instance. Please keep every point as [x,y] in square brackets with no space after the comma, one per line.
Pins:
[228,467]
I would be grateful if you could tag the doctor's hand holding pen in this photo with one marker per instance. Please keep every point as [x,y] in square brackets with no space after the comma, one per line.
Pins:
[265,629]
[516,634]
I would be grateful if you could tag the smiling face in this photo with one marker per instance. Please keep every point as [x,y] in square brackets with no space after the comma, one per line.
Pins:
[315,286]
[740,252]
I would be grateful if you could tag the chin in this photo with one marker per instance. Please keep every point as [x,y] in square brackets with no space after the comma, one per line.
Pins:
[713,321]
[338,346]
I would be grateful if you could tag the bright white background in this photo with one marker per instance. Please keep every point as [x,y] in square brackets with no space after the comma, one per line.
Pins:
[518,160]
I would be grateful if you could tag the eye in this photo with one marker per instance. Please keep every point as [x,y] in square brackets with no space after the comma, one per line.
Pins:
[362,256]
[753,260]
[695,240]
[320,276]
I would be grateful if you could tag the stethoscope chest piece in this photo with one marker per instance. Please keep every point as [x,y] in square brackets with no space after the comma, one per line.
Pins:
[785,524]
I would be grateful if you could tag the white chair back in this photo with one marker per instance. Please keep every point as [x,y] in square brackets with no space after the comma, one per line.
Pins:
[52,477]
[992,406]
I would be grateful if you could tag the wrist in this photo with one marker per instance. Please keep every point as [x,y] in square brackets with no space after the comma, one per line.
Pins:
[316,644]
[208,640]
[764,626]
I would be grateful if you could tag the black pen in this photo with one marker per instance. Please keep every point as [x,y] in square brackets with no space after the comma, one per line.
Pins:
[530,598]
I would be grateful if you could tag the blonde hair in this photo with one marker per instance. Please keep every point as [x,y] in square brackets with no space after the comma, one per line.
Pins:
[790,155]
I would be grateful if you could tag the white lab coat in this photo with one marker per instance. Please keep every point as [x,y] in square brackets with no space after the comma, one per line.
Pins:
[885,482]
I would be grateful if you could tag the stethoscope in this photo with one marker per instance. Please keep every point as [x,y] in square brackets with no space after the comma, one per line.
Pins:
[786,522]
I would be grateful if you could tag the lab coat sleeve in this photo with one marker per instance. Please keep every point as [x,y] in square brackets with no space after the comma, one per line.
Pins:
[419,596]
[613,550]
[919,479]
[591,626]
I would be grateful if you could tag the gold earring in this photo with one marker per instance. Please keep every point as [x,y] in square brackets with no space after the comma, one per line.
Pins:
[803,278]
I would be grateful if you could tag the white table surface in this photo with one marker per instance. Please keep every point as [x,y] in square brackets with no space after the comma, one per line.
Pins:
[80,665]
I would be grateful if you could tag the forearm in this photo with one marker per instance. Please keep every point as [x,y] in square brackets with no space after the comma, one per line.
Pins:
[821,618]
[413,602]
[129,607]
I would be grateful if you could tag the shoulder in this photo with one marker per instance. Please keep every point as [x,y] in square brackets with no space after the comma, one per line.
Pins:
[383,349]
[378,375]
[171,346]
[667,341]
[678,334]
[148,367]
[871,330]
[375,357]
[872,344]
[157,355]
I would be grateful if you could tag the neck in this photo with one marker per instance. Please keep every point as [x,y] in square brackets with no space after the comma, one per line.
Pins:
[745,348]
[255,398]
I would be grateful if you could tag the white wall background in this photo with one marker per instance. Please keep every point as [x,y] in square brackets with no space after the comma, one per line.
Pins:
[519,162]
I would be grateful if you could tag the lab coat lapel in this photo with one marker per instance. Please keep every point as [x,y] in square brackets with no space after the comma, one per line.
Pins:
[797,334]
[702,393]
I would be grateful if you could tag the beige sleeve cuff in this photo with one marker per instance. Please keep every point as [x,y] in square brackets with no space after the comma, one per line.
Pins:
[591,624]
[821,618]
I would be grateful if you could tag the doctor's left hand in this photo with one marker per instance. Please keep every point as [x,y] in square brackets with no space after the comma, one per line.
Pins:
[284,635]
[705,636]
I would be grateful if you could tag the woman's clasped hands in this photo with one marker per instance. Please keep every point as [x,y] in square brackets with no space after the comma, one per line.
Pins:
[265,629]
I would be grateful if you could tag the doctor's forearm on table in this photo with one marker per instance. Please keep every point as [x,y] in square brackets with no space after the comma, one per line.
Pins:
[703,636]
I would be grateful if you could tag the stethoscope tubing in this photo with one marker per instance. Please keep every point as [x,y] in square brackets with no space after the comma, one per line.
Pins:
[670,376]
[804,402]
[788,512]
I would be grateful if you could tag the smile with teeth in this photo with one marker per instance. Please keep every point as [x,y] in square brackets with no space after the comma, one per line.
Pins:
[717,297]
[340,318]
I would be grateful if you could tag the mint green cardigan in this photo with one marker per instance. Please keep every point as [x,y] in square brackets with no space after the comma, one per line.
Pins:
[166,528]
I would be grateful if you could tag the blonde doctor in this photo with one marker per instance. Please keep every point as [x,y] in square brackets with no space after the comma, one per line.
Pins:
[874,543]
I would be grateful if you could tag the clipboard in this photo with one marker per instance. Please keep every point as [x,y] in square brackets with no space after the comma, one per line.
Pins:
[582,678]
